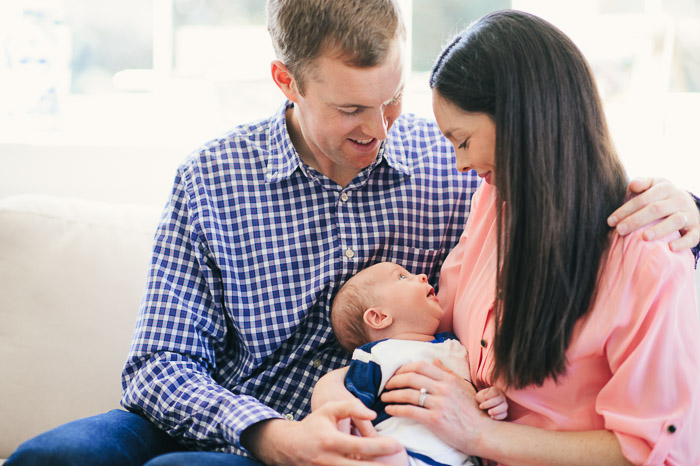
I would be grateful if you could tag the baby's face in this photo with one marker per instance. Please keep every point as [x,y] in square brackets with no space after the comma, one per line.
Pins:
[411,298]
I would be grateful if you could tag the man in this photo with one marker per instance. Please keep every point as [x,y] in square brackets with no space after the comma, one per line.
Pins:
[263,227]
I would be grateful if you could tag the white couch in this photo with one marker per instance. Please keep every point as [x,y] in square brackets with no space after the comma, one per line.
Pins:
[72,274]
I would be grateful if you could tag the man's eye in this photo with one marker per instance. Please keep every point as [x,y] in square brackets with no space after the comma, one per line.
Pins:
[349,112]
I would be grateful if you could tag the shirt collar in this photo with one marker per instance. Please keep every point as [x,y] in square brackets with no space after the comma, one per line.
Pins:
[284,158]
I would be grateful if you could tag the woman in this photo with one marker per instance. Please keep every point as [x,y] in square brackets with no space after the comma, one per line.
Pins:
[593,336]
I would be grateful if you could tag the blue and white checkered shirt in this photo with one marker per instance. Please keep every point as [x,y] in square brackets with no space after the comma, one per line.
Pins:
[234,327]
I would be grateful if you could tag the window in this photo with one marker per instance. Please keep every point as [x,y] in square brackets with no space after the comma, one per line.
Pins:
[181,71]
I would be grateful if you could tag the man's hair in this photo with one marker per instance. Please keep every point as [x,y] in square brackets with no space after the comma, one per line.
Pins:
[347,312]
[359,31]
[556,173]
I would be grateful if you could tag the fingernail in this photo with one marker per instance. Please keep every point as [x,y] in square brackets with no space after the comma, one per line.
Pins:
[622,229]
[612,220]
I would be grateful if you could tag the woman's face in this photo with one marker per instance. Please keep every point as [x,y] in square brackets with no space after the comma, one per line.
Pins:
[473,136]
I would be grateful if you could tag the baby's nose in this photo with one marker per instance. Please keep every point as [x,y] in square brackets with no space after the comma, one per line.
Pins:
[423,278]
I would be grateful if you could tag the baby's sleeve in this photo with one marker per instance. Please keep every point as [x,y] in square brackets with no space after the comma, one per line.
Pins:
[364,378]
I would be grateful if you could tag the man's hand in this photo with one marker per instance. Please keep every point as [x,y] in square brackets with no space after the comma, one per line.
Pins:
[315,440]
[658,199]
[331,387]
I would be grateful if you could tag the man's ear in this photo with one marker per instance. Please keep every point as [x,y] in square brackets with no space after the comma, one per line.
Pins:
[377,319]
[284,80]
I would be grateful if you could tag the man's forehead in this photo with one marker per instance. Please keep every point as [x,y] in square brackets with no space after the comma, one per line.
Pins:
[344,85]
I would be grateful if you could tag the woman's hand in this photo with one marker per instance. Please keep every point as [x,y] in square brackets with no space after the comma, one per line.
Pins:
[658,199]
[449,407]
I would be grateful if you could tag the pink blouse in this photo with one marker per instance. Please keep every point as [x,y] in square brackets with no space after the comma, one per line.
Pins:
[633,365]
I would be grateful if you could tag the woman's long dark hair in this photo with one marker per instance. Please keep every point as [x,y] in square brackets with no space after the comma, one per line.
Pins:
[556,172]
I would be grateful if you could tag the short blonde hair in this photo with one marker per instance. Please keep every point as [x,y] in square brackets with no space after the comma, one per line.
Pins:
[361,31]
[347,312]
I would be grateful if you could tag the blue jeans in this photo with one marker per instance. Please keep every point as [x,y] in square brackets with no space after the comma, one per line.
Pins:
[117,438]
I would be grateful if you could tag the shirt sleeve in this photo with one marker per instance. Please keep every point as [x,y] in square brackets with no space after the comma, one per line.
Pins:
[180,330]
[696,249]
[652,402]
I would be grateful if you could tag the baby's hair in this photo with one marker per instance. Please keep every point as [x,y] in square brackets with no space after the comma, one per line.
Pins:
[347,311]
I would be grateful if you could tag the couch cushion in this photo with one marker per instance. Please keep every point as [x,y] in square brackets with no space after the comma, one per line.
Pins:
[72,274]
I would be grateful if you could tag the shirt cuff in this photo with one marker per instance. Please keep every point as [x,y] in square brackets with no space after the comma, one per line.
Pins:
[247,416]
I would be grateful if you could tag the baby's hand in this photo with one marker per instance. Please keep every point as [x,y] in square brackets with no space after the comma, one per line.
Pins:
[493,401]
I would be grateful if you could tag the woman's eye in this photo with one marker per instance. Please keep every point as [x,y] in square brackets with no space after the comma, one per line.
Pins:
[463,145]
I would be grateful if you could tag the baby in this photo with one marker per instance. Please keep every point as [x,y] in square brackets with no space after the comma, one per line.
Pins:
[388,317]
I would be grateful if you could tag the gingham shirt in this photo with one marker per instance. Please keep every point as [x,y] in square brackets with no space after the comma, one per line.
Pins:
[234,326]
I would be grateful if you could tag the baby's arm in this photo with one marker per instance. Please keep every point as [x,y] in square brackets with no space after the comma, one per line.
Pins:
[493,401]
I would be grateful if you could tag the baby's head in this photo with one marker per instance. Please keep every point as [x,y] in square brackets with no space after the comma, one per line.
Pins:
[385,301]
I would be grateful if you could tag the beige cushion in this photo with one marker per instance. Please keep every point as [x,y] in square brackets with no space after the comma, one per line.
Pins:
[72,274]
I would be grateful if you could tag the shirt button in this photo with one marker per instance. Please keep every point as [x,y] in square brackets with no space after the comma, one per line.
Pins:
[483,343]
[289,417]
[317,363]
[344,197]
[349,253]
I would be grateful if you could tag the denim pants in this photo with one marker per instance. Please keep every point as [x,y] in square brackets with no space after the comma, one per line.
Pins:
[116,438]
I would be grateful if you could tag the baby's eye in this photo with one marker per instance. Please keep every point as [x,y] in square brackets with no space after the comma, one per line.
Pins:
[402,276]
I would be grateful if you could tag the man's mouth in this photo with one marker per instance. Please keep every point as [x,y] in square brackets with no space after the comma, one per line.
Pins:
[363,142]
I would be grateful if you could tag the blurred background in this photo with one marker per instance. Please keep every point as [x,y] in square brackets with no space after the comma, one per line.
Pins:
[102,100]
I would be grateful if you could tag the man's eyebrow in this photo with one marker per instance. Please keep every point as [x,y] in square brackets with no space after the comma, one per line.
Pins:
[396,96]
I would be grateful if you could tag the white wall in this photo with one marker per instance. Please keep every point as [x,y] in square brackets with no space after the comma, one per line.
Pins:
[126,174]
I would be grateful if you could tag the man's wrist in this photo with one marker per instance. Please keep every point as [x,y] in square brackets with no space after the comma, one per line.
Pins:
[260,441]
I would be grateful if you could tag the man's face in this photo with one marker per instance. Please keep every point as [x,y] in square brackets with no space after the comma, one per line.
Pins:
[408,298]
[346,112]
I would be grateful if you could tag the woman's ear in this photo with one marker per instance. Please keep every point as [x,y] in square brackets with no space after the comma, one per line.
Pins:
[376,318]
[284,80]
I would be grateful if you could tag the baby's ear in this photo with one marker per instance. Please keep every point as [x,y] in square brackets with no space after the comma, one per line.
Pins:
[377,319]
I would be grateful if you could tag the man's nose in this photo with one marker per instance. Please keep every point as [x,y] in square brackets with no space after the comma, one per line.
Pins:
[377,125]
